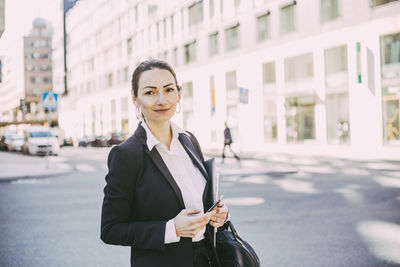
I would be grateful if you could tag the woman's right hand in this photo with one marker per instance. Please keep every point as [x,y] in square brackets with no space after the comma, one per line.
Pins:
[189,226]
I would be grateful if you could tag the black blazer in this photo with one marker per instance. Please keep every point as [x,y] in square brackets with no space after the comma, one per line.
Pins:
[141,196]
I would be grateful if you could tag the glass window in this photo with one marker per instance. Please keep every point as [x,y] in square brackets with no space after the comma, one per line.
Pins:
[212,8]
[172,25]
[337,118]
[129,46]
[232,38]
[110,80]
[300,118]
[175,56]
[268,70]
[113,107]
[263,27]
[335,66]
[299,68]
[375,3]
[126,74]
[213,44]
[329,10]
[124,104]
[288,19]
[230,78]
[390,113]
[187,89]
[190,52]
[390,49]
[196,13]
[237,3]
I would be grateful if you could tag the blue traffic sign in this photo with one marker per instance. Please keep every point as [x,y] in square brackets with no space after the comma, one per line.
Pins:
[49,100]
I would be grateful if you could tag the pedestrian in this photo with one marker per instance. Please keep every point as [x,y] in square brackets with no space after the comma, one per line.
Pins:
[227,142]
[157,190]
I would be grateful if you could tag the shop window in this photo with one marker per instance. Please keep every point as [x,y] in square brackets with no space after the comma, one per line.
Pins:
[337,119]
[390,49]
[299,68]
[335,67]
[391,116]
[268,70]
[300,119]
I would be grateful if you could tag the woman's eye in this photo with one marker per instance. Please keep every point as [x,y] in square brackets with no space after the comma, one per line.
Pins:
[148,93]
[170,89]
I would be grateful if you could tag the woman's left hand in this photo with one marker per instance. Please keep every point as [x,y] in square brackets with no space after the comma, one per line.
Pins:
[219,218]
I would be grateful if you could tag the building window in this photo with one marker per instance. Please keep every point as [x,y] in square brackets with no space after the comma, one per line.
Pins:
[212,8]
[129,46]
[300,118]
[175,56]
[190,52]
[335,67]
[124,104]
[126,74]
[230,78]
[390,49]
[268,70]
[237,3]
[299,68]
[172,25]
[213,44]
[47,80]
[187,90]
[263,27]
[109,80]
[375,3]
[187,114]
[337,118]
[232,38]
[196,13]
[329,10]
[288,18]
[391,115]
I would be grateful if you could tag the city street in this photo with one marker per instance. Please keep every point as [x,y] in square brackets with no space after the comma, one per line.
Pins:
[313,211]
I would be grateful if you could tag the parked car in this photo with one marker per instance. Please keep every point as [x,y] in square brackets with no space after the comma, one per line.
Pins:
[16,143]
[38,140]
[85,141]
[100,141]
[68,141]
[5,140]
[116,138]
[59,134]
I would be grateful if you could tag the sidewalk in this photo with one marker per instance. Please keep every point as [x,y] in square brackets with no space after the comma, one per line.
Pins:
[18,166]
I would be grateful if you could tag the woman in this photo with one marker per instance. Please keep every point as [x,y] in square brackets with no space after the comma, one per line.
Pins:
[157,189]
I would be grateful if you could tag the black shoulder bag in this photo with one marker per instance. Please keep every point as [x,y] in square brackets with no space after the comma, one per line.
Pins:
[232,250]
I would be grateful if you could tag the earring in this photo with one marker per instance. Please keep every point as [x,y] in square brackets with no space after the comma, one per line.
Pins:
[180,108]
[137,112]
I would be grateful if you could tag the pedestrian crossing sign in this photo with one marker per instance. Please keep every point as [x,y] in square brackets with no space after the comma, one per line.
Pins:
[49,100]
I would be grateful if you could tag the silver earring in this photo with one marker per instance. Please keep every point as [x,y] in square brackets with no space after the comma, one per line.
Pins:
[137,112]
[180,108]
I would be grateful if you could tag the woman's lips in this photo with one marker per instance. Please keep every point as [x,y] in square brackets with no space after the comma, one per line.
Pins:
[161,110]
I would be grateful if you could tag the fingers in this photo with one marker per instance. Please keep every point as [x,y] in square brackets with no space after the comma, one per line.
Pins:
[189,211]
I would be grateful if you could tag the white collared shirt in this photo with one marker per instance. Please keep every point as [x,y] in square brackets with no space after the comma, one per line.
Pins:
[187,176]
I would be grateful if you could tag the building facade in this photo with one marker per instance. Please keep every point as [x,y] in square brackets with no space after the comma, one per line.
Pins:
[280,72]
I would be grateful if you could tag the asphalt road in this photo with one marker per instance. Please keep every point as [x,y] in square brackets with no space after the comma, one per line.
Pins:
[331,212]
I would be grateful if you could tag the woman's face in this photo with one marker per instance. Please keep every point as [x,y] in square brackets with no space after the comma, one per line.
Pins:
[157,95]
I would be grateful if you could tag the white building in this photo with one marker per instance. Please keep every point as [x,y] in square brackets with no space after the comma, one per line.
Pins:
[317,72]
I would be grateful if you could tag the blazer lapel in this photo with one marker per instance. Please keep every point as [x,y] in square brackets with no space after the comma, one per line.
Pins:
[158,161]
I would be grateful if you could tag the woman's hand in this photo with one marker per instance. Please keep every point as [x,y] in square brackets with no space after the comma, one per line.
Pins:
[219,218]
[189,226]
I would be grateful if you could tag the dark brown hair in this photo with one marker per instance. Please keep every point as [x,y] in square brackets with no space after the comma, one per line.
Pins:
[148,65]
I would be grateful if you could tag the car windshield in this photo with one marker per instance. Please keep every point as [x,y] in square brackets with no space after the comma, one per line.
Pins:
[40,134]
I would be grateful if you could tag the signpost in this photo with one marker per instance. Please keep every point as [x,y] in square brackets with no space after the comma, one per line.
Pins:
[49,103]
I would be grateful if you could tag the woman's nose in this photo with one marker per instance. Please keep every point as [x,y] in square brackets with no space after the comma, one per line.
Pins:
[161,98]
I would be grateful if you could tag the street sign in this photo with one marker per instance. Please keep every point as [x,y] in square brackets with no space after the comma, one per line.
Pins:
[49,100]
[243,95]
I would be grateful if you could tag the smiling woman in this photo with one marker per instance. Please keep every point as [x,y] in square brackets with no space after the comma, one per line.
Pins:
[156,180]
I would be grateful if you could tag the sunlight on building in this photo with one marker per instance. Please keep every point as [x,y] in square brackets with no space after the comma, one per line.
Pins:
[382,239]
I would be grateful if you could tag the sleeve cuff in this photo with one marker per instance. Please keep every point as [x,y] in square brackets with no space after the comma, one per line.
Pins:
[170,233]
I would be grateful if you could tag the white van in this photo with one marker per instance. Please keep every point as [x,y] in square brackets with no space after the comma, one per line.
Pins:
[38,140]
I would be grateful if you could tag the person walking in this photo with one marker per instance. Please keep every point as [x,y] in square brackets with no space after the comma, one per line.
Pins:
[227,142]
[157,188]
